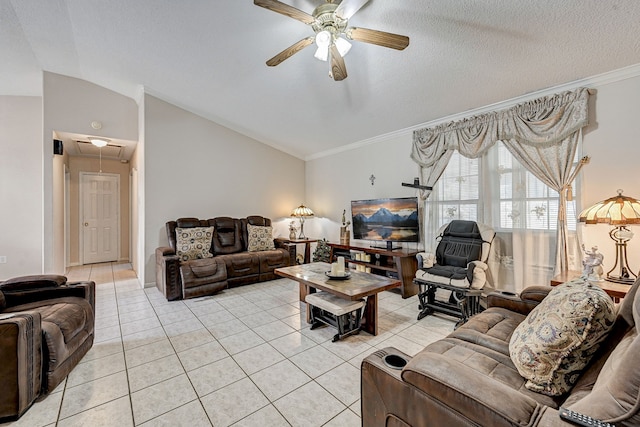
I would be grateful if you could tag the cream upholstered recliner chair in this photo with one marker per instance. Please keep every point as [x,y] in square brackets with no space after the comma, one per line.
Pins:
[451,280]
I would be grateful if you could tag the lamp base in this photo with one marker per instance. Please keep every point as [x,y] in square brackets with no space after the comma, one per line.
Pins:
[621,235]
[622,280]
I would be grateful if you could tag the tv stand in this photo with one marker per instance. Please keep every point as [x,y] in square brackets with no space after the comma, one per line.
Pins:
[388,247]
[398,262]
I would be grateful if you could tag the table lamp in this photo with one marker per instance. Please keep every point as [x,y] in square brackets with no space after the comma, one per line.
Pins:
[302,212]
[618,211]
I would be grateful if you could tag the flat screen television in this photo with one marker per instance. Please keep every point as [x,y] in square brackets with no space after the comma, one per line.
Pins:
[389,220]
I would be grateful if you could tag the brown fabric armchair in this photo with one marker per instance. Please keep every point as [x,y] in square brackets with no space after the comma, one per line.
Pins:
[469,379]
[46,327]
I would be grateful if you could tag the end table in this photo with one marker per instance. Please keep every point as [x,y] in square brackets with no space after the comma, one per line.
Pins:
[617,291]
[307,246]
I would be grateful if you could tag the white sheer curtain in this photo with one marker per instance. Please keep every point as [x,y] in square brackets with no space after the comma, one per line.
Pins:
[543,135]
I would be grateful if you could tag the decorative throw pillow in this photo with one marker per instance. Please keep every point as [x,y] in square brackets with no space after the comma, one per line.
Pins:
[193,242]
[260,238]
[559,336]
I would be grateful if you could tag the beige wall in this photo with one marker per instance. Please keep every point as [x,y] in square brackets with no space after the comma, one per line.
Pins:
[86,164]
[195,167]
[70,105]
[21,185]
[611,140]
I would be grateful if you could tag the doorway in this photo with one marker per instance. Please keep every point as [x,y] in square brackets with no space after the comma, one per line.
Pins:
[99,217]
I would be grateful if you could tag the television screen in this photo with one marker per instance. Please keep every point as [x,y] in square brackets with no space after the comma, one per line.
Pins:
[386,219]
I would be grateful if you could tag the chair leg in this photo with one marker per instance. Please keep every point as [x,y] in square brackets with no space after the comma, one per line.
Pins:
[426,298]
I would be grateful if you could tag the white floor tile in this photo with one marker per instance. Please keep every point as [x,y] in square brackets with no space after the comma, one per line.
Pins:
[215,376]
[257,358]
[309,406]
[161,398]
[233,402]
[280,379]
[114,413]
[192,415]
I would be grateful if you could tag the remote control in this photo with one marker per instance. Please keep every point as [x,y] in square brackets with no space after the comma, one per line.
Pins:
[581,419]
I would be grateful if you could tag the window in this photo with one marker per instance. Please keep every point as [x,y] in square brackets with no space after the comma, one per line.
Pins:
[525,202]
[457,192]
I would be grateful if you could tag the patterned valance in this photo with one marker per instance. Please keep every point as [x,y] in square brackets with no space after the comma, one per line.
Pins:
[541,122]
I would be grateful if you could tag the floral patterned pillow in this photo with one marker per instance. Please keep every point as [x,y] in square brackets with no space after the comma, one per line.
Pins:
[193,242]
[558,337]
[260,238]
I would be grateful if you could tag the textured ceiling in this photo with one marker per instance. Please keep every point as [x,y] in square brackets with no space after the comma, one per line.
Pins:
[209,57]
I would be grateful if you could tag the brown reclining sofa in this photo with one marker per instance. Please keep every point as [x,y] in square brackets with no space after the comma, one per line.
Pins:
[46,327]
[469,379]
[231,264]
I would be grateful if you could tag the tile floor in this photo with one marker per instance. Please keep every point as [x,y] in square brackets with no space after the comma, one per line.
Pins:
[243,357]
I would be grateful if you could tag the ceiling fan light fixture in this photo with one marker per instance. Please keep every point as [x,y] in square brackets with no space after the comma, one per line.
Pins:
[343,46]
[99,142]
[322,53]
[323,39]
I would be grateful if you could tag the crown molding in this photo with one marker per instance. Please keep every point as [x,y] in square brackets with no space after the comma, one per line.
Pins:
[609,77]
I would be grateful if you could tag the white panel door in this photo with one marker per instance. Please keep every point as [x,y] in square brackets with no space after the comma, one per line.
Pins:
[100,217]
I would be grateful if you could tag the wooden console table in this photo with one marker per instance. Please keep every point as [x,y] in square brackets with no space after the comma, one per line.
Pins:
[617,291]
[400,263]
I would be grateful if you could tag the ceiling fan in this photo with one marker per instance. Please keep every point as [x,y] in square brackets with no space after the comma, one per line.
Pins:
[330,23]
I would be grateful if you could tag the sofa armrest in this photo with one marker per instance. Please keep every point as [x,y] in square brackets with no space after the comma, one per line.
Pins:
[168,279]
[528,299]
[425,259]
[21,356]
[32,282]
[85,290]
[165,251]
[535,293]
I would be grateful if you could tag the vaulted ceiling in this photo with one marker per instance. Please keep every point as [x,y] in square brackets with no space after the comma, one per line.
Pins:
[208,56]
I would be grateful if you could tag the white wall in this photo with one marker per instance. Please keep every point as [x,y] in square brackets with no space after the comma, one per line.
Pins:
[196,168]
[333,181]
[612,140]
[21,185]
[70,105]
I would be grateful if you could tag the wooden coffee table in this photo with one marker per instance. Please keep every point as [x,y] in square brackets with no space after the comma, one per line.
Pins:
[360,285]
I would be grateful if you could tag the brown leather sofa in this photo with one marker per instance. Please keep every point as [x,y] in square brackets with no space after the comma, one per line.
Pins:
[46,327]
[468,378]
[231,264]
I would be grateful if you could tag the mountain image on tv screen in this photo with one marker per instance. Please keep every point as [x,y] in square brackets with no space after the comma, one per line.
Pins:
[386,219]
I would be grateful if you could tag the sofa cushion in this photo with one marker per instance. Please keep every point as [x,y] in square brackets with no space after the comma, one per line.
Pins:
[227,235]
[558,338]
[194,243]
[475,381]
[260,238]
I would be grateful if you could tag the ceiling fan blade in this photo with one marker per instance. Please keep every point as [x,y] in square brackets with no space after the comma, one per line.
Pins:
[381,38]
[347,8]
[285,9]
[338,69]
[290,51]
